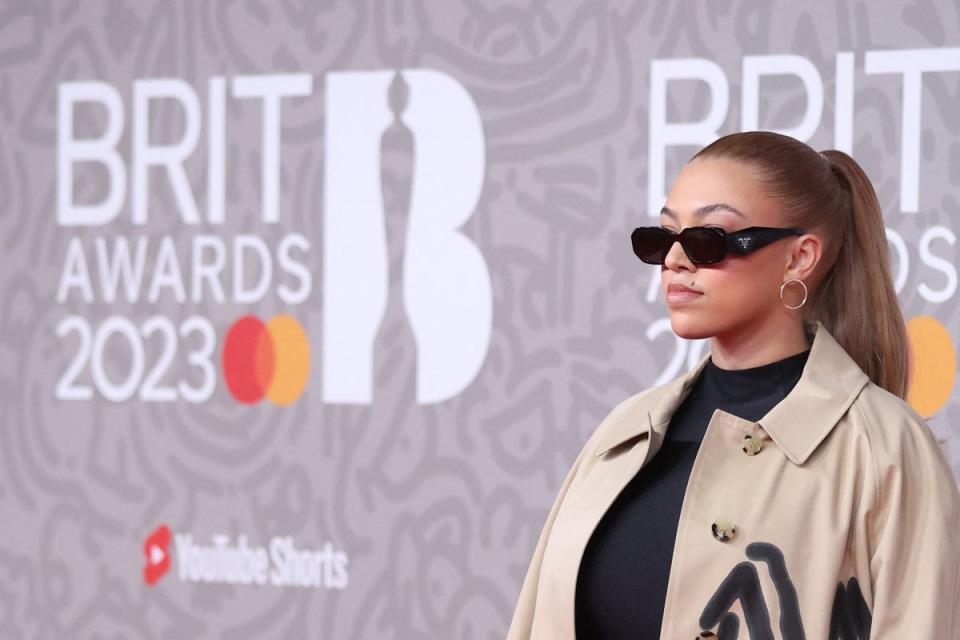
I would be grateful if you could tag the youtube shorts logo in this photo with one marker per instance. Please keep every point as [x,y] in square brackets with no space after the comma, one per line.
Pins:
[156,550]
[281,563]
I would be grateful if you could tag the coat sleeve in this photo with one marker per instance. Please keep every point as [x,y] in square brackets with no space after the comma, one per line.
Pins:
[521,626]
[915,547]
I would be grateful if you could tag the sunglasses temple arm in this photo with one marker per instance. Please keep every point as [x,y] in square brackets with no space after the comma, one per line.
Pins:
[744,244]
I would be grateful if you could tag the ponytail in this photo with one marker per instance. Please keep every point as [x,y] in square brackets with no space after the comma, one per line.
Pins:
[856,301]
[852,290]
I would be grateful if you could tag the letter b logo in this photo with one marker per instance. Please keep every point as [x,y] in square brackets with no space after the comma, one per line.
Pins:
[446,282]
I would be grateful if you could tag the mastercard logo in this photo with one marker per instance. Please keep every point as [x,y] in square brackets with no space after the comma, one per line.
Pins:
[269,360]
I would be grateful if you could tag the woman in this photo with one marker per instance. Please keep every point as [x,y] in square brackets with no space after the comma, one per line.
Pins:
[783,485]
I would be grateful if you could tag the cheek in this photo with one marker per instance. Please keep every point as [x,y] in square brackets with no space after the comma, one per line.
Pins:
[743,281]
[737,281]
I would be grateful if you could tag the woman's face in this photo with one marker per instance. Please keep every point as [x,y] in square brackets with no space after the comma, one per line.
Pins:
[740,293]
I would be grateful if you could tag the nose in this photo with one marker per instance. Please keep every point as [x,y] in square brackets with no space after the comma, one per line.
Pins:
[677,258]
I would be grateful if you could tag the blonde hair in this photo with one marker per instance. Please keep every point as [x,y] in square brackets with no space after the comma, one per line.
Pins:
[851,289]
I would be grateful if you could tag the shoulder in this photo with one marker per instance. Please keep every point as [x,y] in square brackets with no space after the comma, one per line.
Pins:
[640,399]
[628,417]
[904,449]
[625,405]
[892,425]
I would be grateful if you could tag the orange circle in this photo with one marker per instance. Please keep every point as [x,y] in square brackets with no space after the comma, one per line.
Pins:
[933,365]
[291,360]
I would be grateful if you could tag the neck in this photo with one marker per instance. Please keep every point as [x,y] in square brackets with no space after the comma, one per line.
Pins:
[753,346]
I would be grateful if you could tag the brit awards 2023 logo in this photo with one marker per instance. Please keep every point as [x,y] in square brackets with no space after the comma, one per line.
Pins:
[446,288]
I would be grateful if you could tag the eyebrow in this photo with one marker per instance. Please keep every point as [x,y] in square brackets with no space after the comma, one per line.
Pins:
[704,210]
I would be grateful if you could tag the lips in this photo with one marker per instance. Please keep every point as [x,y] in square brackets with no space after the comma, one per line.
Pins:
[679,294]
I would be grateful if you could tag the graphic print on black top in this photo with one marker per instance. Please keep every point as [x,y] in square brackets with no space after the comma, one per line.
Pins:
[850,617]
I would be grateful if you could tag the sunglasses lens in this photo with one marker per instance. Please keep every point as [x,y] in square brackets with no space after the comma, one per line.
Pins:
[704,246]
[651,244]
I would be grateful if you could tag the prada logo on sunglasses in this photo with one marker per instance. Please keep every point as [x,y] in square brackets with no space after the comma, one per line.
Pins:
[704,245]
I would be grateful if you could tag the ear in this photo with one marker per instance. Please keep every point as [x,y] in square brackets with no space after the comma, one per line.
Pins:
[803,256]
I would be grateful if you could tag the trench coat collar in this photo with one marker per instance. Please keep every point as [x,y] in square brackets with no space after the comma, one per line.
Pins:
[828,385]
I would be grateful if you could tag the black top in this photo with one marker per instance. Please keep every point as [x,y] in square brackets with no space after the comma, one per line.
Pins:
[622,584]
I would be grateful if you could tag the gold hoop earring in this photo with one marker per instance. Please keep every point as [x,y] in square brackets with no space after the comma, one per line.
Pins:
[802,302]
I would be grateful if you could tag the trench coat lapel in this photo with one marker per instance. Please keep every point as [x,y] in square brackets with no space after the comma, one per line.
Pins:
[828,385]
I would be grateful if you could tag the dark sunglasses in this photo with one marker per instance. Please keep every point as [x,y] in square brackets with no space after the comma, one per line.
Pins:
[704,245]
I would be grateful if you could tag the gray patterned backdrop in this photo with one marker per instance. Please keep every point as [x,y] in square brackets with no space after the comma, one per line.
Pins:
[293,345]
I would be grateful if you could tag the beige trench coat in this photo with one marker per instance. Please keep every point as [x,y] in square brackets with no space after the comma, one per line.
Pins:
[846,522]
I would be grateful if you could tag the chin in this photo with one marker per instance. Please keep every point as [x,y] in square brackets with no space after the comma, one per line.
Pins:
[689,327]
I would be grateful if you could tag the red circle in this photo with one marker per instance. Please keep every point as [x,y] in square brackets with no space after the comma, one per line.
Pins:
[248,359]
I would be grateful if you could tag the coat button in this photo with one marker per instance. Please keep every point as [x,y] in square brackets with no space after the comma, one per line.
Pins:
[751,445]
[723,530]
